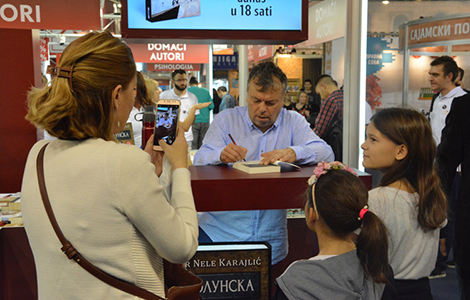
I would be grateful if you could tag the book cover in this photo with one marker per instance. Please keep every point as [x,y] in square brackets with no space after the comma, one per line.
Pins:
[254,167]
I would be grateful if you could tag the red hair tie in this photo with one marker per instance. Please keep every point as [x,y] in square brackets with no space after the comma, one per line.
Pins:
[362,213]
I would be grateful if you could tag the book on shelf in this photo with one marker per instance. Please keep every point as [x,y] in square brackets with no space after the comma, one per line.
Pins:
[254,167]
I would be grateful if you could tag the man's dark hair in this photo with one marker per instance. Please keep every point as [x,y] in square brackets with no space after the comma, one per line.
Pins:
[193,81]
[448,65]
[176,72]
[461,73]
[262,75]
[307,80]
[222,89]
[326,79]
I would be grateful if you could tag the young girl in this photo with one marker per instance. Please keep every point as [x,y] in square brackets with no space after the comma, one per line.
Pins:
[409,199]
[336,206]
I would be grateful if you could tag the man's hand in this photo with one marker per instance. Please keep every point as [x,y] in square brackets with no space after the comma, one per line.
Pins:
[232,153]
[201,105]
[281,155]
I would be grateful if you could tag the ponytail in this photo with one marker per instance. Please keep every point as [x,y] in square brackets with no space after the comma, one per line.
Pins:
[372,248]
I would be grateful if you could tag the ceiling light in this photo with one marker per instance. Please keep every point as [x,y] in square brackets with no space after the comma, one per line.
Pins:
[385,2]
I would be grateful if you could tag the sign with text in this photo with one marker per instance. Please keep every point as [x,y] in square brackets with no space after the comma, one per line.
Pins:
[249,53]
[170,53]
[50,14]
[438,31]
[233,270]
[208,15]
[225,62]
[216,21]
[327,21]
[261,52]
[127,135]
[172,67]
[44,48]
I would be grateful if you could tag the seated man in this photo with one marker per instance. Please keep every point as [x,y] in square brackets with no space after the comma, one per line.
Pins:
[266,132]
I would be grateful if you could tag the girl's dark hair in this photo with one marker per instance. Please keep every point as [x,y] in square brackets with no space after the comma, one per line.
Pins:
[142,96]
[339,197]
[411,128]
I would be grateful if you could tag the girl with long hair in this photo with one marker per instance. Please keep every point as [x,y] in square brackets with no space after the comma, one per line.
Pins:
[409,199]
[336,206]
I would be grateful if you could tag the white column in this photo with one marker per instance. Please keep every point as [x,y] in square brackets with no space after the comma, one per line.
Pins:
[242,73]
[355,82]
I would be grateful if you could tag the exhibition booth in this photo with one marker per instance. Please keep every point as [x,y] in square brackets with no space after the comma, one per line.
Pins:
[229,189]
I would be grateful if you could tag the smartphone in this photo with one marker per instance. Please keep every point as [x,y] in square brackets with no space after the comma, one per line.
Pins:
[166,123]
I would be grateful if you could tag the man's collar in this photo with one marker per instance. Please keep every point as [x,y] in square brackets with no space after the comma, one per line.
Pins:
[184,94]
[451,93]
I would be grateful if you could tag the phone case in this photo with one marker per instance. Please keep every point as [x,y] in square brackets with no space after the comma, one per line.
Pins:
[166,123]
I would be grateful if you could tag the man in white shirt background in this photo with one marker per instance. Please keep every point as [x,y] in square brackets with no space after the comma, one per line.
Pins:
[443,78]
[189,103]
[442,75]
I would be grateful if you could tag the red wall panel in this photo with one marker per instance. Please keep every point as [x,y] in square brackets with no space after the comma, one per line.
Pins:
[19,70]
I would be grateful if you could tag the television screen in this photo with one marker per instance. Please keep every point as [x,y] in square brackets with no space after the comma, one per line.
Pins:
[216,20]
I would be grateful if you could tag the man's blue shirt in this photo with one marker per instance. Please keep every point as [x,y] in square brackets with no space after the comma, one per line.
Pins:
[290,130]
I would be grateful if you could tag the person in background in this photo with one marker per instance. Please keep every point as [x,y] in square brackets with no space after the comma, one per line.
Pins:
[443,76]
[263,131]
[453,151]
[201,123]
[409,199]
[228,101]
[331,106]
[459,80]
[329,122]
[189,104]
[301,105]
[106,196]
[288,104]
[336,206]
[153,90]
[142,99]
[216,100]
[314,102]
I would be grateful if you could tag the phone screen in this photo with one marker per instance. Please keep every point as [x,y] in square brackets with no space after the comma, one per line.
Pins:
[166,123]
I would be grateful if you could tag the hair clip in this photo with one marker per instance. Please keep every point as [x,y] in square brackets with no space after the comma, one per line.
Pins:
[323,167]
[63,73]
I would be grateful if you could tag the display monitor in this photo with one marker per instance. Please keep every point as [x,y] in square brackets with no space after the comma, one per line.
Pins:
[216,21]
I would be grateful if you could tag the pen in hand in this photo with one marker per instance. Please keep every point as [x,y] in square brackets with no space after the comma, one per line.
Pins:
[233,141]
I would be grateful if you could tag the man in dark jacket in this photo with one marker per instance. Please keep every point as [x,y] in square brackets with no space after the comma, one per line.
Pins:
[453,151]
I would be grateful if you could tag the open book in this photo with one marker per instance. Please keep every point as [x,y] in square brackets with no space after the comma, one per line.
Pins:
[254,167]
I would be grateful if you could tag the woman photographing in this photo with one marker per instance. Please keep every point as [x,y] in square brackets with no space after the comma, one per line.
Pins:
[106,196]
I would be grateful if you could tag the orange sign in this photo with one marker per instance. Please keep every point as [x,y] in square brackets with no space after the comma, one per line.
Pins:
[50,14]
[170,53]
[439,31]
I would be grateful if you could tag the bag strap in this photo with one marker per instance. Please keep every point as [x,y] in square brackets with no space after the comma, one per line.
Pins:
[70,251]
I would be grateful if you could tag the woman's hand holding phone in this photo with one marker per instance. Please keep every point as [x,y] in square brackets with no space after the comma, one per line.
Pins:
[156,157]
[177,153]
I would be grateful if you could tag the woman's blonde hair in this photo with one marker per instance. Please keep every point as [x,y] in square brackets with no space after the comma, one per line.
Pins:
[82,107]
[152,86]
[298,97]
